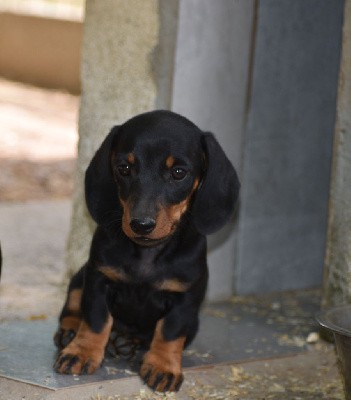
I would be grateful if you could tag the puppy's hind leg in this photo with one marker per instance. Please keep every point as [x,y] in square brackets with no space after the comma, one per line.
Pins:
[70,317]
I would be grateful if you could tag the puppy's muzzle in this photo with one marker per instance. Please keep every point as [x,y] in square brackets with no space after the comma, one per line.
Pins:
[142,226]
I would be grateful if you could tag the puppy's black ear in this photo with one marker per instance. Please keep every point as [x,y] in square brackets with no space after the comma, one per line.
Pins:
[101,193]
[219,190]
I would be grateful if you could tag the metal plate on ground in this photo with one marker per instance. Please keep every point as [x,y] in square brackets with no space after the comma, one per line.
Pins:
[246,328]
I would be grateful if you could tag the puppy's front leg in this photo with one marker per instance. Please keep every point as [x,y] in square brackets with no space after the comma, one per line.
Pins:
[85,352]
[162,365]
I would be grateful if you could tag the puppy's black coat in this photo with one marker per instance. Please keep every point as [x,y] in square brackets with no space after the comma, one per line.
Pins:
[156,187]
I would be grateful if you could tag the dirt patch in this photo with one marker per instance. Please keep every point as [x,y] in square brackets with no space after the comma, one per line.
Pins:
[35,180]
[38,142]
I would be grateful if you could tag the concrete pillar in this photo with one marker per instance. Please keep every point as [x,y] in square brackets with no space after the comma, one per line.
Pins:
[337,279]
[124,44]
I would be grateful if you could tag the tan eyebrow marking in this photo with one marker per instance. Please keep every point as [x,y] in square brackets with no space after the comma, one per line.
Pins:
[170,161]
[131,158]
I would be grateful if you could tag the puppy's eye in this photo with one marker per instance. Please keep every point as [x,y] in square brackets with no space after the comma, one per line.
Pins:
[124,170]
[178,173]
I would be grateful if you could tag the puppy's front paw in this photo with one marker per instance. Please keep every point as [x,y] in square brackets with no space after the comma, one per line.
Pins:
[86,351]
[161,374]
[75,359]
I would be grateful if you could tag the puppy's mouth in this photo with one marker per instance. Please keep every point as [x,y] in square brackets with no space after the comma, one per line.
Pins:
[146,241]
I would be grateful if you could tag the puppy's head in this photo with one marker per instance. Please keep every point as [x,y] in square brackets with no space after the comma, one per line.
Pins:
[154,169]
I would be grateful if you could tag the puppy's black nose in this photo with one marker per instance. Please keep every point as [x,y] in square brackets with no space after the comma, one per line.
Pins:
[143,226]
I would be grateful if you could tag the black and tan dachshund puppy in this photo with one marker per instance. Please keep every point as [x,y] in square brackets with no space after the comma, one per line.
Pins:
[156,187]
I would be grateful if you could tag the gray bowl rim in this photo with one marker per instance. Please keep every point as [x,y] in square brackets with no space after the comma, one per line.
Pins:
[322,319]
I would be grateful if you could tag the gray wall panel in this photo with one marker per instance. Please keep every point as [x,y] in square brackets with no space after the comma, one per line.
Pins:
[288,145]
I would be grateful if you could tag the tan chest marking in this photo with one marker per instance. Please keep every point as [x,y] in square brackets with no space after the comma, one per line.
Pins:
[172,285]
[114,274]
